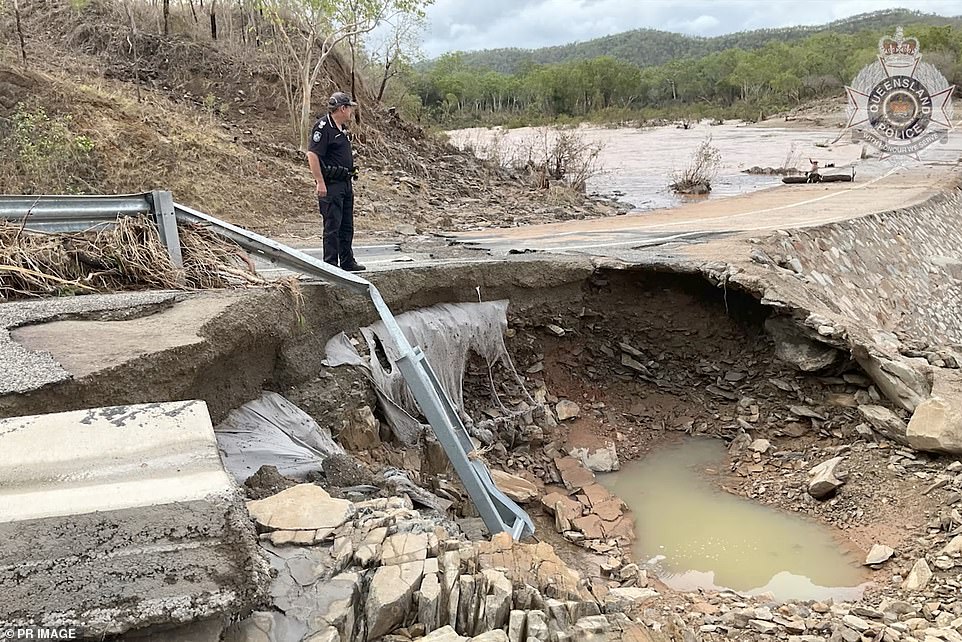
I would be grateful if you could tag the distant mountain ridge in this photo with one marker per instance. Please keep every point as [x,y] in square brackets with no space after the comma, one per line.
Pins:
[650,47]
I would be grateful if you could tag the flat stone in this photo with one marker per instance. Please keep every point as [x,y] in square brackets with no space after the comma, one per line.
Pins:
[556,330]
[805,411]
[134,492]
[574,475]
[301,507]
[404,547]
[864,611]
[762,626]
[550,500]
[590,525]
[599,460]
[596,494]
[566,409]
[884,421]
[954,547]
[936,426]
[622,599]
[855,623]
[444,634]
[609,510]
[879,554]
[633,364]
[918,577]
[517,488]
[390,596]
[902,380]
[761,446]
[824,481]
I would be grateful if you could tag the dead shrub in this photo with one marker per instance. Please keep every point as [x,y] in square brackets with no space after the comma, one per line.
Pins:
[702,169]
[126,256]
[548,155]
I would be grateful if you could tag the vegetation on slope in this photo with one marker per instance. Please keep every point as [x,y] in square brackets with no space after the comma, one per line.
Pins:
[649,47]
[729,83]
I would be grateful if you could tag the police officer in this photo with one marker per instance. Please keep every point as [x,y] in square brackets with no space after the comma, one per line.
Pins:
[332,164]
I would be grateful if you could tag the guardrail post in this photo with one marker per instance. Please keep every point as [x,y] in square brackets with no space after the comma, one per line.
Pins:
[166,219]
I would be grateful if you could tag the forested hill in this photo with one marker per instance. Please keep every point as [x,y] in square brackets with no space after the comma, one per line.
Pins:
[648,47]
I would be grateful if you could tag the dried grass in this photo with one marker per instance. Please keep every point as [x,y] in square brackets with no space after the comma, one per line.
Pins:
[126,256]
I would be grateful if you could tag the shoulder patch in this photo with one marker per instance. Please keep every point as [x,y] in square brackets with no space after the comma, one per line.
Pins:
[317,136]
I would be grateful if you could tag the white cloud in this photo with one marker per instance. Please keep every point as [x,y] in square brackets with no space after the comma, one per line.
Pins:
[469,25]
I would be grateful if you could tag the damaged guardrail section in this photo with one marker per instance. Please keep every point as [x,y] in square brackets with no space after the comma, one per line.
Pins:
[69,213]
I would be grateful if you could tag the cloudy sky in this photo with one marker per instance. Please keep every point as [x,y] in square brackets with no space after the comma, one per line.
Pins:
[470,24]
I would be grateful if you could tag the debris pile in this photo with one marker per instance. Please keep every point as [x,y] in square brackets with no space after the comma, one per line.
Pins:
[126,256]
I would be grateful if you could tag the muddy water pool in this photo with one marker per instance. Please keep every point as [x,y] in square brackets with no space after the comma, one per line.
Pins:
[698,537]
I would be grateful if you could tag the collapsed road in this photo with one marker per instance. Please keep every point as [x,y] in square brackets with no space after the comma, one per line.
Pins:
[826,360]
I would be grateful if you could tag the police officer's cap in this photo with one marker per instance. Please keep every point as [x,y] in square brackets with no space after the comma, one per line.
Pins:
[339,99]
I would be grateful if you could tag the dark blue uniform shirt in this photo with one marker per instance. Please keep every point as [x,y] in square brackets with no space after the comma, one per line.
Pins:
[331,145]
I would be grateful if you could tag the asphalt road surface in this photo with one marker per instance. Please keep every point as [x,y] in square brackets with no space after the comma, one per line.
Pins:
[757,213]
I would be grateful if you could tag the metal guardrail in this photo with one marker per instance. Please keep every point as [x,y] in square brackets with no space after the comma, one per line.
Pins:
[76,213]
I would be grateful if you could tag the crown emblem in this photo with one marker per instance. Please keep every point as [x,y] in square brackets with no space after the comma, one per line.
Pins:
[898,51]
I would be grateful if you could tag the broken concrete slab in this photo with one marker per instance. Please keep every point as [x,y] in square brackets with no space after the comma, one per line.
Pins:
[133,492]
[23,369]
[83,347]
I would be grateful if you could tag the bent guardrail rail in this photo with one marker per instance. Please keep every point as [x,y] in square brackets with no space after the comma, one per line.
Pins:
[76,213]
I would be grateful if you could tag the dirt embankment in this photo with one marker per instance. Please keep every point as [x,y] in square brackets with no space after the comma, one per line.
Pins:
[206,120]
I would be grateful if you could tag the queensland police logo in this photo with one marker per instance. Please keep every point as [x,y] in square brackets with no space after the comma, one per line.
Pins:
[899,103]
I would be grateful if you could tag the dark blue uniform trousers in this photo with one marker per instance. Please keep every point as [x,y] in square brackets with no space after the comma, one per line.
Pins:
[337,211]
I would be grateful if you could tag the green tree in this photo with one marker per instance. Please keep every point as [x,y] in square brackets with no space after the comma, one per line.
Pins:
[305,34]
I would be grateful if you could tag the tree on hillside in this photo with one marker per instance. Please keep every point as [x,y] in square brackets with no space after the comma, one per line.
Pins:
[305,33]
[393,47]
[18,27]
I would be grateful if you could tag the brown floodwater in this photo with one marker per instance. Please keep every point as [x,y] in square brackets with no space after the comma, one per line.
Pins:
[636,164]
[695,536]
